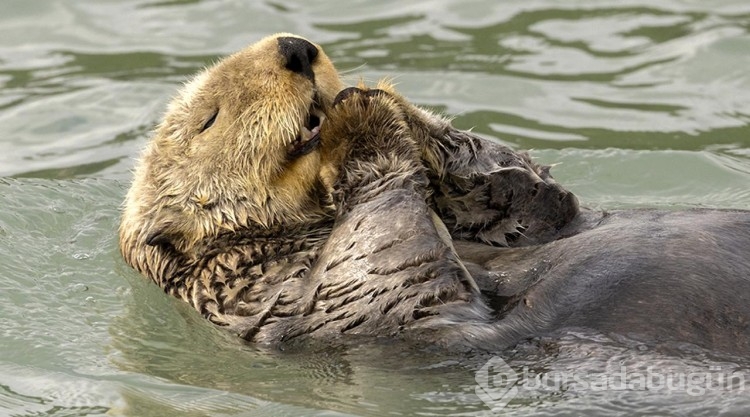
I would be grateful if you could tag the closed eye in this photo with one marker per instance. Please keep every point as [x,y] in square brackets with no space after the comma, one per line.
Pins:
[209,122]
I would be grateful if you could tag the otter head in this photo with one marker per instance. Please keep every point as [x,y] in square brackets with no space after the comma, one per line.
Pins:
[238,148]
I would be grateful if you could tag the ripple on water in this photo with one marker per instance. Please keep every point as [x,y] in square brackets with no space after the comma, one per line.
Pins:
[45,285]
[640,104]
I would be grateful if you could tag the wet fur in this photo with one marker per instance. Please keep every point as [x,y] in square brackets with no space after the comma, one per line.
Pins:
[399,225]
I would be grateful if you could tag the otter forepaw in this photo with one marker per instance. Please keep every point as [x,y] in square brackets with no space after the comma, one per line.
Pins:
[370,123]
[367,139]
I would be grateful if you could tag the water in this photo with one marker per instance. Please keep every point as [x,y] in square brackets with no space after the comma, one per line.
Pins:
[638,105]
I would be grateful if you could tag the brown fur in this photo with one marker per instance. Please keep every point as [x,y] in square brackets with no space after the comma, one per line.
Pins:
[484,191]
[225,219]
[192,187]
[396,224]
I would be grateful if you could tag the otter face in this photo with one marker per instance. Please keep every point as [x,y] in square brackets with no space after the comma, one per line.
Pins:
[238,147]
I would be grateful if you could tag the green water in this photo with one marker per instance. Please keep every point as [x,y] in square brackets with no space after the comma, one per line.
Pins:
[638,105]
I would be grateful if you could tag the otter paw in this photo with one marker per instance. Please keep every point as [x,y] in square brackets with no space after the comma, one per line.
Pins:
[368,122]
[366,138]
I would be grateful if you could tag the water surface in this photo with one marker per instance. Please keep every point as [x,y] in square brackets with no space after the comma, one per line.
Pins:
[636,104]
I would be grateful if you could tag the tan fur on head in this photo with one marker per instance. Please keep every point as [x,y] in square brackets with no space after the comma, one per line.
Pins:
[192,182]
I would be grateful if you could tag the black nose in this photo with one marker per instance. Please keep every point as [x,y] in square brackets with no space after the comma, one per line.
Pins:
[299,55]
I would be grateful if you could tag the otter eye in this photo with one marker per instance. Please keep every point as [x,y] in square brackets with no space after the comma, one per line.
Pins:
[209,122]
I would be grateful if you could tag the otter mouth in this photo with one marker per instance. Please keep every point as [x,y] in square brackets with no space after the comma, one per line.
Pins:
[308,137]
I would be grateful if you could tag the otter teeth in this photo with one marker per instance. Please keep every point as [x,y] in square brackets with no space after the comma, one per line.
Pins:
[308,134]
[308,138]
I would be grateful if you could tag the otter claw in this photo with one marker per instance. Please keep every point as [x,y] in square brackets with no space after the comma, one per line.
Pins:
[345,94]
[376,92]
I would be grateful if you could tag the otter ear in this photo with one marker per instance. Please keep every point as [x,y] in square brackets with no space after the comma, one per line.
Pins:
[158,238]
[163,233]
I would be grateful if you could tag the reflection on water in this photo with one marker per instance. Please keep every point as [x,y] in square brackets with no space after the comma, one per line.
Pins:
[638,105]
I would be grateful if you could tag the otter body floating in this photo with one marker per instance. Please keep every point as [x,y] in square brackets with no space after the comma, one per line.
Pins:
[283,206]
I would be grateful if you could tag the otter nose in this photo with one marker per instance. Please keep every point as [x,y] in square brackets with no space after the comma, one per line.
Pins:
[299,55]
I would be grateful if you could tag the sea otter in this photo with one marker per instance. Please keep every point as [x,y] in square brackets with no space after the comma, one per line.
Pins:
[283,206]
